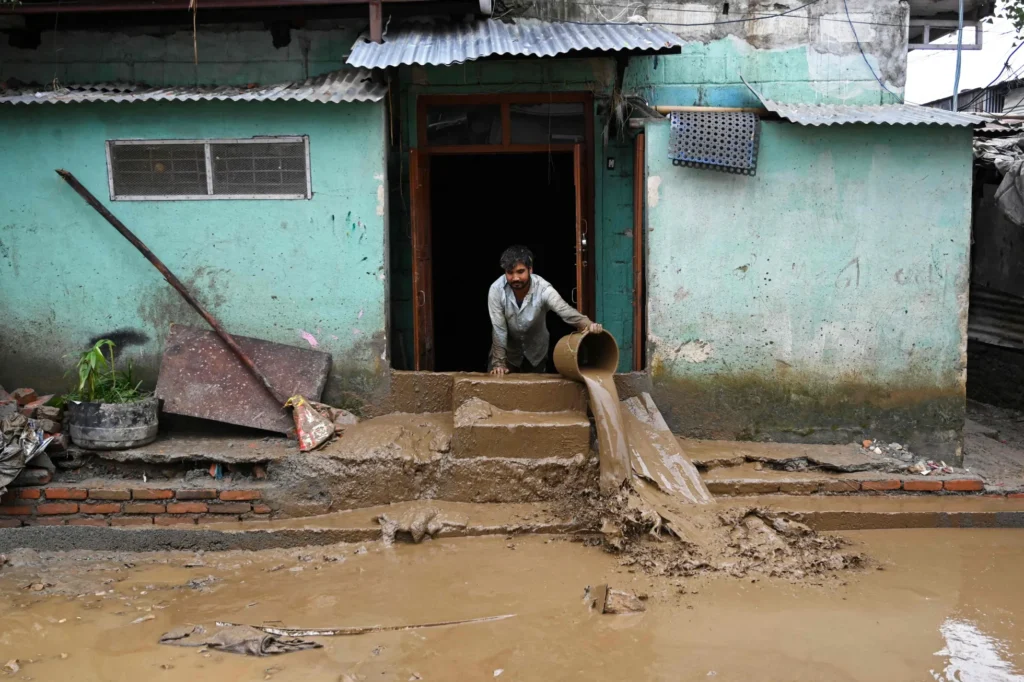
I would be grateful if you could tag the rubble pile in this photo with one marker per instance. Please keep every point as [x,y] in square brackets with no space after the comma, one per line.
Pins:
[909,462]
[891,450]
[29,429]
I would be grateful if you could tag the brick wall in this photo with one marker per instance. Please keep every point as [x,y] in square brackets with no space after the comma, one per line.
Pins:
[118,505]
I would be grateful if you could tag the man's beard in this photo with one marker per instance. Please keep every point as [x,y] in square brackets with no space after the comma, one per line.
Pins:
[517,285]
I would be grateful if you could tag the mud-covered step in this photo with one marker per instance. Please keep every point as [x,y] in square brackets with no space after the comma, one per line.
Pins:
[482,430]
[523,392]
[756,479]
[851,512]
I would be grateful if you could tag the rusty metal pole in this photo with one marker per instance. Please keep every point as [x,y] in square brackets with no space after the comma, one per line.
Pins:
[174,282]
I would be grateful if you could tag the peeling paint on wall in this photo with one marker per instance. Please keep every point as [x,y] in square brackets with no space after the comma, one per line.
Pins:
[653,184]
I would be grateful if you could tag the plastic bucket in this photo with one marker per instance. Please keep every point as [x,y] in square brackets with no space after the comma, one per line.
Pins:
[583,350]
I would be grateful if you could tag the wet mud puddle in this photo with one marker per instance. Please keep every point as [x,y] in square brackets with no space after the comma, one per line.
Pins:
[946,607]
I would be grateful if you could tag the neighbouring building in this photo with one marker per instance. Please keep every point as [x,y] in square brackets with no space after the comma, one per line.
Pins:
[785,256]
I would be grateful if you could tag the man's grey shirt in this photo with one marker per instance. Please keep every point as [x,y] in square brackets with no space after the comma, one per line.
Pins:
[519,330]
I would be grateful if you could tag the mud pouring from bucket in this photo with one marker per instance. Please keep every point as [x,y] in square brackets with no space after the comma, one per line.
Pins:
[634,442]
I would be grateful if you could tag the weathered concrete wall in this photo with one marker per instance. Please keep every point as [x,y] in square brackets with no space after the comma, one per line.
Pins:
[810,55]
[824,298]
[270,269]
[228,55]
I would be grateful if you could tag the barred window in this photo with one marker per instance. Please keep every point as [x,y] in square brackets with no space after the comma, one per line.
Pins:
[254,168]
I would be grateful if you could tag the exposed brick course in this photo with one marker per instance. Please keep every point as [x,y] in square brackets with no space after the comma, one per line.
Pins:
[51,508]
[131,521]
[892,484]
[151,494]
[187,508]
[107,494]
[261,509]
[66,494]
[922,486]
[197,494]
[965,485]
[29,493]
[239,495]
[87,522]
[144,508]
[103,508]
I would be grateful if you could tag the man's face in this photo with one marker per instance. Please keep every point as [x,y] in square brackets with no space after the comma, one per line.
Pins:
[519,276]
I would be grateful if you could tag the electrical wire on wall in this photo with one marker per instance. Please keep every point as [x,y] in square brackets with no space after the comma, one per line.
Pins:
[785,13]
[865,57]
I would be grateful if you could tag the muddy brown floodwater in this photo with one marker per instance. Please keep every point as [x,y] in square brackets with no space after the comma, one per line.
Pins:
[945,607]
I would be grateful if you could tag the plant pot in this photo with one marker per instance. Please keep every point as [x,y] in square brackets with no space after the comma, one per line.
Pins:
[113,426]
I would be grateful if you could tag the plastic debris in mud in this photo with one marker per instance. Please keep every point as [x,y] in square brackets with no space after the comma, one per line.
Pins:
[603,599]
[348,630]
[236,639]
[312,428]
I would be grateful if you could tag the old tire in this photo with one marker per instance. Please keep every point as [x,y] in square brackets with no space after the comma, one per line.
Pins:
[113,426]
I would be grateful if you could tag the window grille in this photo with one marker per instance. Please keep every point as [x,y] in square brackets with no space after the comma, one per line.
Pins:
[163,170]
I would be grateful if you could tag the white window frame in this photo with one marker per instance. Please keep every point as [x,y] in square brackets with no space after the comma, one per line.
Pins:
[209,169]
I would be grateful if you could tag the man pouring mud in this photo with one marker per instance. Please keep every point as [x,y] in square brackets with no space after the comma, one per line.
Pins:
[518,303]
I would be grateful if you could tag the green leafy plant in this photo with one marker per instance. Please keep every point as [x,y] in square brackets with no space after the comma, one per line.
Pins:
[98,380]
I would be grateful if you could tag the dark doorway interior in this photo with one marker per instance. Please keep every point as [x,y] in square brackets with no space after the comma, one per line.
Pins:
[481,204]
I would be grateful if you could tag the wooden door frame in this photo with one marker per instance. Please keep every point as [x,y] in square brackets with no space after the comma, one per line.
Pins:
[425,151]
[639,249]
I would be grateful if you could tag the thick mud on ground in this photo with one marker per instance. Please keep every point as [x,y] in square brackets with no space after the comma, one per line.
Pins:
[937,605]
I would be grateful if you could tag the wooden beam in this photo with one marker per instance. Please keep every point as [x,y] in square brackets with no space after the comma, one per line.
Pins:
[713,110]
[376,21]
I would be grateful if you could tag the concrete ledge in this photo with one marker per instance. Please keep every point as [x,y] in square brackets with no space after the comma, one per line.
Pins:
[875,513]
[350,526]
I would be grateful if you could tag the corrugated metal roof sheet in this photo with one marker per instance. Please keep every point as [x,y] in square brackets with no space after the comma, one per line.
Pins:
[352,85]
[453,43]
[889,114]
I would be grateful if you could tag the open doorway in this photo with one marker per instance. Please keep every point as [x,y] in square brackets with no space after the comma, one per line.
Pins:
[480,204]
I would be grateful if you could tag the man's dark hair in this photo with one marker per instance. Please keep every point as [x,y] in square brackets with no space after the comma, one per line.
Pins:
[516,254]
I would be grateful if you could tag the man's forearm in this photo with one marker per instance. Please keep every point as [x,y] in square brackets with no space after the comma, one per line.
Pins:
[499,355]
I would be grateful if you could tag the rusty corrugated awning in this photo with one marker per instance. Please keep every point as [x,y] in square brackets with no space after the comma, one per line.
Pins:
[885,114]
[441,44]
[349,85]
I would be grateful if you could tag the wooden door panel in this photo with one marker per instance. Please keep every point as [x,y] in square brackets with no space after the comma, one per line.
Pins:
[422,266]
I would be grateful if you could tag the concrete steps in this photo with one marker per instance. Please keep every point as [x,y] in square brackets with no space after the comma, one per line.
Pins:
[522,392]
[519,416]
[523,435]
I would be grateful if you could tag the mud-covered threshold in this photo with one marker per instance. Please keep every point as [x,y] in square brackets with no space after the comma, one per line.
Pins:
[458,519]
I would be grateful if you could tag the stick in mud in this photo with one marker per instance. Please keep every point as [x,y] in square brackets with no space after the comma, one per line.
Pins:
[365,629]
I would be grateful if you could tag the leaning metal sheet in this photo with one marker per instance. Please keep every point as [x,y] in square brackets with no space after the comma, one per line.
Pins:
[723,141]
[200,377]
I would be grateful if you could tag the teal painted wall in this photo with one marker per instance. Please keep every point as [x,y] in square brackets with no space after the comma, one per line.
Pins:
[270,269]
[711,74]
[824,298]
[613,209]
